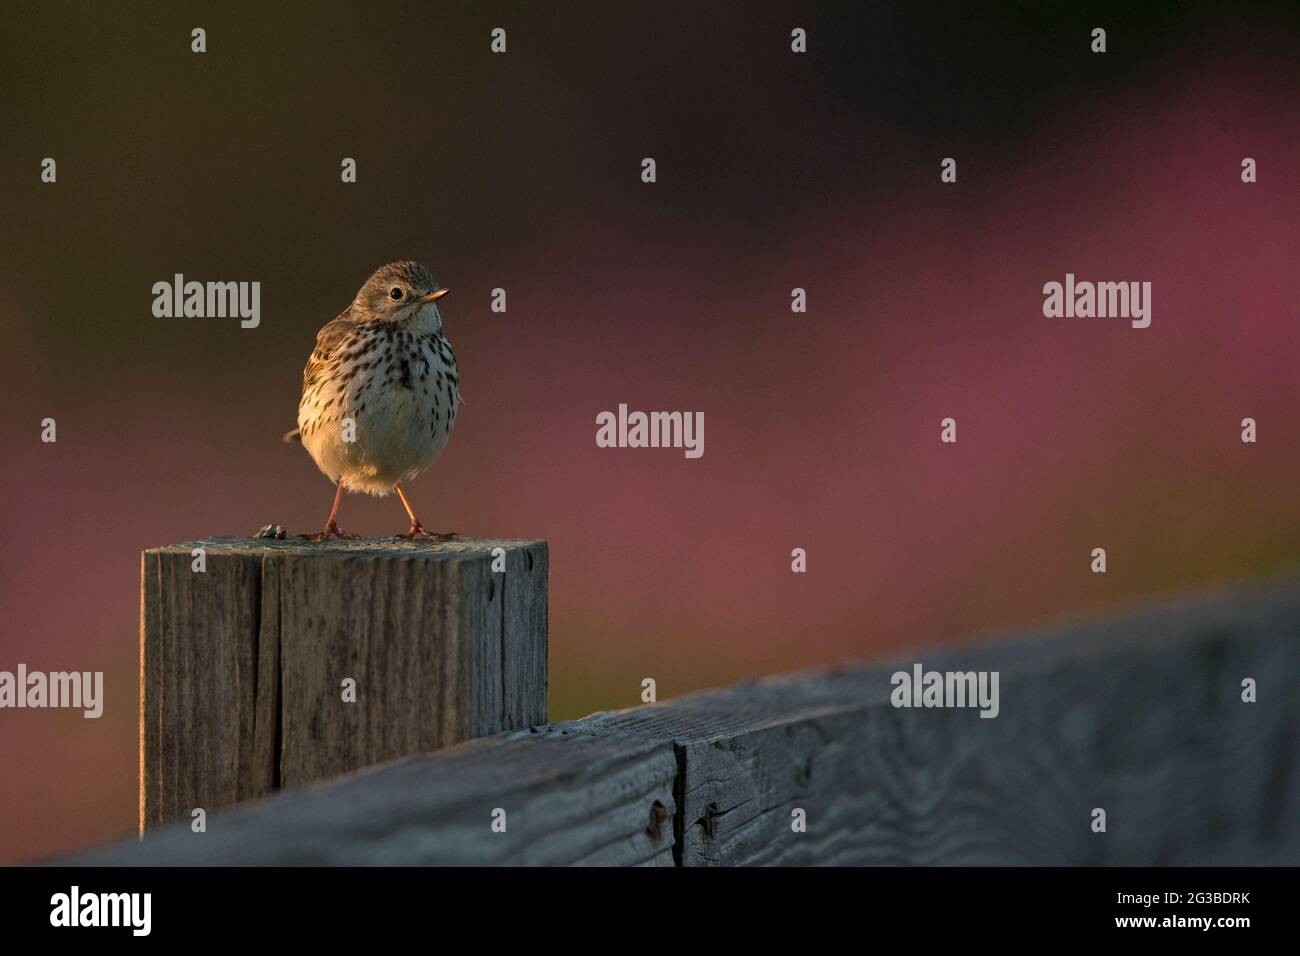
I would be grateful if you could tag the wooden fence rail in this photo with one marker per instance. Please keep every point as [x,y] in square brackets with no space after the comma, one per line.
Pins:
[1139,715]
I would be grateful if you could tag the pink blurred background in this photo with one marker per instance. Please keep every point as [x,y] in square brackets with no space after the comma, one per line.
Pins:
[775,171]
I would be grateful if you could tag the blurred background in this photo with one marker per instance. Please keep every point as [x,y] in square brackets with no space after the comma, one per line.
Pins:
[775,171]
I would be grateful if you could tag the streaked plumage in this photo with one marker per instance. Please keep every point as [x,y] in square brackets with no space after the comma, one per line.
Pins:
[384,366]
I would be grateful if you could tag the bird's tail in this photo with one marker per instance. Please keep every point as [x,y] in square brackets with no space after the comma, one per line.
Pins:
[293,436]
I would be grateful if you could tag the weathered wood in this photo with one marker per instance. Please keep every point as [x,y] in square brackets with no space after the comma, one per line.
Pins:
[1140,714]
[242,665]
[567,799]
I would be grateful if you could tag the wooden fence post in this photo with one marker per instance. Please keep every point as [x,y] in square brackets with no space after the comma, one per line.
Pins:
[271,663]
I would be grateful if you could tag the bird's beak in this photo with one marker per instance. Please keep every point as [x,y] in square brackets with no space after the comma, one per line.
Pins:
[433,296]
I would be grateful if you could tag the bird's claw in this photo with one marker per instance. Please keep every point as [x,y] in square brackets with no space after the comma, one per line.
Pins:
[332,530]
[417,531]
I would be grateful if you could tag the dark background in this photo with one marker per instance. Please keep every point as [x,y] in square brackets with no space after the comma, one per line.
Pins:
[775,170]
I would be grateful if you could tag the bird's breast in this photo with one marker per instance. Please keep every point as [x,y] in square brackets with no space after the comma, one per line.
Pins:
[410,382]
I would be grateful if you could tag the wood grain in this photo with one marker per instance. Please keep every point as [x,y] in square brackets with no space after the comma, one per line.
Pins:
[243,665]
[568,799]
[1139,713]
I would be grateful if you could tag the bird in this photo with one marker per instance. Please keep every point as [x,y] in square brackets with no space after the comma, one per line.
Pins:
[380,392]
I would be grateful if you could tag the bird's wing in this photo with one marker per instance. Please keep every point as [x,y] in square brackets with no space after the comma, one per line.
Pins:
[328,339]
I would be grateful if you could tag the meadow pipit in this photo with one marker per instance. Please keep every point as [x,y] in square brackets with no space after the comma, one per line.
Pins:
[381,390]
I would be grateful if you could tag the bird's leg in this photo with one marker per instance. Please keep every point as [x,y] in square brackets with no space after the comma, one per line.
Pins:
[417,529]
[332,526]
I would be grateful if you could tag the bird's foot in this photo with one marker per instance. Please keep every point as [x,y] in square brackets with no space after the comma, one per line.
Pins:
[417,531]
[332,530]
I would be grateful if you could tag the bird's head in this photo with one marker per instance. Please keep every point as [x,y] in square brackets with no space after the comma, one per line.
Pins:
[402,292]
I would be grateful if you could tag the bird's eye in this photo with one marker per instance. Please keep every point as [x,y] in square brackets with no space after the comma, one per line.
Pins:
[396,293]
